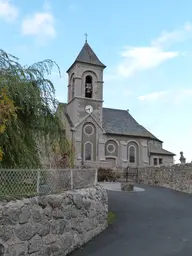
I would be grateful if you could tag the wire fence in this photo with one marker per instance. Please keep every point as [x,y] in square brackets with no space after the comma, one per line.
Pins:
[27,182]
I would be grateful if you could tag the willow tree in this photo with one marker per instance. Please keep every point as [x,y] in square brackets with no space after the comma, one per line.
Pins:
[7,111]
[36,123]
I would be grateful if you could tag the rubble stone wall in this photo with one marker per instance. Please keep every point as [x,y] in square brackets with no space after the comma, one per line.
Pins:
[177,177]
[53,224]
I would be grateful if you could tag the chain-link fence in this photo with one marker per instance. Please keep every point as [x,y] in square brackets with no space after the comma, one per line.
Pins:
[27,182]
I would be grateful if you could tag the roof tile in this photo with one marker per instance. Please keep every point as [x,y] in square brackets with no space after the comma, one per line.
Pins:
[88,56]
[156,150]
[117,121]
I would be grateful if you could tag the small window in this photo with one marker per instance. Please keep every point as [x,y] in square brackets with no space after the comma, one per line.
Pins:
[155,161]
[132,154]
[88,87]
[88,151]
[88,129]
[110,148]
[160,160]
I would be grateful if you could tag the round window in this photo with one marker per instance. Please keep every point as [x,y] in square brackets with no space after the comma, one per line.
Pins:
[110,148]
[88,129]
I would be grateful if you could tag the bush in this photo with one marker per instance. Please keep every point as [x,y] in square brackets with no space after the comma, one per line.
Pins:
[106,175]
[118,175]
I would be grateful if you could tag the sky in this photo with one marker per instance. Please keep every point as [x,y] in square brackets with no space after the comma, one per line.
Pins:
[146,46]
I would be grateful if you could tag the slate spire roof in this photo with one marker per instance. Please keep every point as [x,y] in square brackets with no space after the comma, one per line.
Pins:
[88,56]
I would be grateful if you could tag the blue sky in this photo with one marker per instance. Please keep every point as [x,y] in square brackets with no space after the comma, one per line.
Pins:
[146,46]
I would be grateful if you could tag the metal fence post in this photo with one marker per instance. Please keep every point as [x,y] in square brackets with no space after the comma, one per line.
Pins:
[71,179]
[96,176]
[38,181]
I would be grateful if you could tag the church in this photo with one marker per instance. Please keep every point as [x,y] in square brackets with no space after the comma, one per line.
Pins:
[104,136]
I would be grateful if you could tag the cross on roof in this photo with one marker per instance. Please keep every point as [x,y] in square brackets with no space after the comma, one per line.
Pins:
[86,35]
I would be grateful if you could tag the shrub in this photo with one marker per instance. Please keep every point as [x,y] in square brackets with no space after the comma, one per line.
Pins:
[106,174]
[118,175]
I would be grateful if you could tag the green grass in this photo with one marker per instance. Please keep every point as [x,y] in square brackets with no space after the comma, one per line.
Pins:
[111,218]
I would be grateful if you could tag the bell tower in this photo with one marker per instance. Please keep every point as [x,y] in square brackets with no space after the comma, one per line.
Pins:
[85,86]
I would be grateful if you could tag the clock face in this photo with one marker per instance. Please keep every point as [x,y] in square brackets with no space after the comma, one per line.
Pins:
[89,109]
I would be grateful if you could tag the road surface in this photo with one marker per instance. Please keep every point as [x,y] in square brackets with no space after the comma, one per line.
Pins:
[156,222]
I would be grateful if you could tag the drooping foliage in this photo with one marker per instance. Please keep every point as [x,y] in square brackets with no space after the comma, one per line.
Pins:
[7,111]
[36,124]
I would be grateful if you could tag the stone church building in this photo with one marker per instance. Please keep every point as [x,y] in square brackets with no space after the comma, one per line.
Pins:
[104,136]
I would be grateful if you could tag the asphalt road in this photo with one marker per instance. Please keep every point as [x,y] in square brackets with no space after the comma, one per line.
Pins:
[157,222]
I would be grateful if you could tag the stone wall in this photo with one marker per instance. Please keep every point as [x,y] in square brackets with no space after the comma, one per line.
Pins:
[54,224]
[177,177]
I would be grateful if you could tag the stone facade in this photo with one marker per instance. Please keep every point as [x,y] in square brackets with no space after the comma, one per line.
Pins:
[177,177]
[112,146]
[54,224]
[122,145]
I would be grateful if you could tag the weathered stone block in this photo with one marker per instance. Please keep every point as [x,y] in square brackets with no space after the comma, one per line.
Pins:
[78,201]
[35,244]
[11,216]
[58,226]
[24,215]
[49,239]
[54,202]
[67,240]
[18,249]
[6,233]
[42,201]
[44,228]
[36,215]
[47,213]
[26,231]
[58,214]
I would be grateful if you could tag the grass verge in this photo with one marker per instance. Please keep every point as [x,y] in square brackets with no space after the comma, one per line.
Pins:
[111,218]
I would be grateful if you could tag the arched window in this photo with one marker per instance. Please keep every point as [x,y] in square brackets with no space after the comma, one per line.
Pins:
[88,151]
[132,154]
[88,87]
[111,148]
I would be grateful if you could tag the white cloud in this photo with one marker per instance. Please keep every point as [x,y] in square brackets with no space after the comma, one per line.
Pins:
[136,59]
[142,58]
[40,24]
[153,96]
[175,96]
[166,39]
[8,11]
